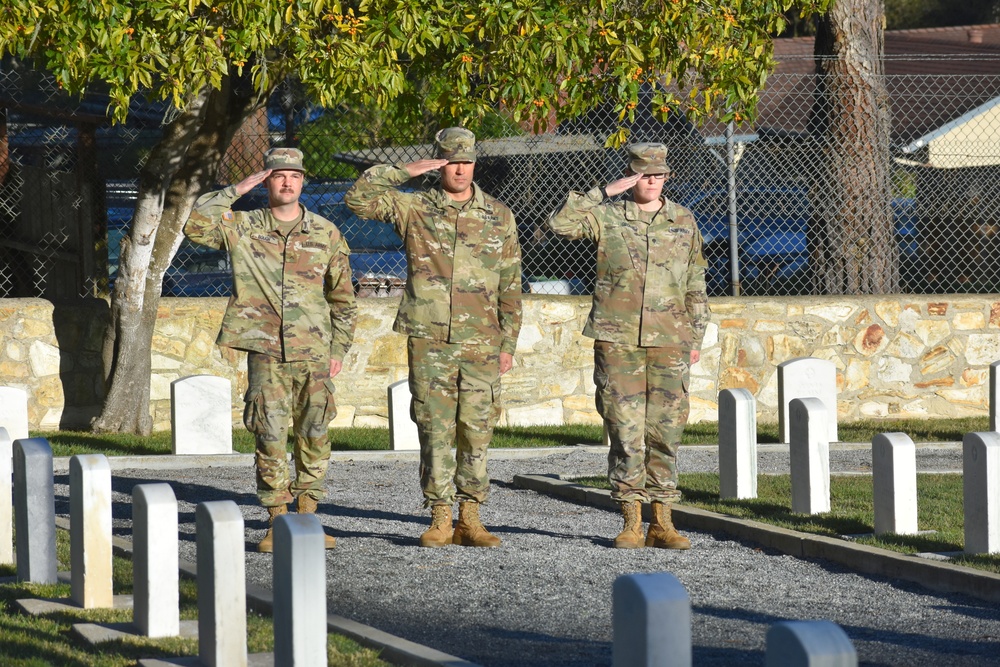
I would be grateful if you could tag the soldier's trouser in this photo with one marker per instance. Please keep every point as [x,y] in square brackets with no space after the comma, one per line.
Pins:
[278,390]
[456,393]
[642,394]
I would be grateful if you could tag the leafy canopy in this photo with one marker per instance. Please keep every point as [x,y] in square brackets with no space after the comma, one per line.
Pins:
[541,60]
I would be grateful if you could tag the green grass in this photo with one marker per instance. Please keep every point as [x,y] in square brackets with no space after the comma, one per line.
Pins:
[36,641]
[940,509]
[68,443]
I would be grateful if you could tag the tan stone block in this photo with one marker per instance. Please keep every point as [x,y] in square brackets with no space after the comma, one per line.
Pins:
[389,351]
[891,369]
[733,324]
[968,320]
[530,334]
[48,392]
[972,396]
[807,330]
[7,313]
[371,421]
[905,346]
[889,312]
[982,349]
[588,417]
[830,313]
[830,354]
[730,350]
[932,332]
[936,361]
[737,378]
[937,308]
[862,317]
[857,374]
[782,348]
[974,377]
[708,365]
[769,326]
[832,336]
[578,402]
[728,306]
[558,312]
[770,308]
[701,385]
[711,336]
[939,382]
[200,348]
[15,351]
[916,408]
[874,409]
[169,346]
[13,369]
[870,340]
[30,328]
[702,411]
[345,416]
[995,314]
[794,310]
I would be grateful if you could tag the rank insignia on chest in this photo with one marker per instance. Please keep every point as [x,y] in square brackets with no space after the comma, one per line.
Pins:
[228,216]
[264,237]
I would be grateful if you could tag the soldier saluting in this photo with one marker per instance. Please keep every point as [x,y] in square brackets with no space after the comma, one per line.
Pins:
[293,311]
[461,312]
[648,318]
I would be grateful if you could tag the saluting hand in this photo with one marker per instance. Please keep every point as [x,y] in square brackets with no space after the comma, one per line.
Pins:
[622,185]
[251,181]
[420,167]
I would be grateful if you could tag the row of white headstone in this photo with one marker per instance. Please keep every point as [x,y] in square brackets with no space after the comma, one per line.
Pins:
[894,469]
[651,624]
[299,557]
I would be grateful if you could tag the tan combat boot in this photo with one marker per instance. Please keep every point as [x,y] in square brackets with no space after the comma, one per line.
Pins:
[631,535]
[661,533]
[266,545]
[440,532]
[470,531]
[308,505]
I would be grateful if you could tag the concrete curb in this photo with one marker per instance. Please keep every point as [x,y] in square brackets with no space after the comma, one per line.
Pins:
[393,649]
[935,575]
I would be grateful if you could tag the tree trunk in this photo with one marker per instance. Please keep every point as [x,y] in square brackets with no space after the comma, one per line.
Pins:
[181,166]
[852,240]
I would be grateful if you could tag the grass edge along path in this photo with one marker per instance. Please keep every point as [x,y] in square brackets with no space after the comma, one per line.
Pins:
[944,577]
[44,640]
[68,443]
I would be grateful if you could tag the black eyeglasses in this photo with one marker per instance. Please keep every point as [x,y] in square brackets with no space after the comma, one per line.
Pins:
[655,177]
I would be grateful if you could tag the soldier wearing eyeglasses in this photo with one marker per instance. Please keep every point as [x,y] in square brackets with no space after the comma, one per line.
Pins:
[648,318]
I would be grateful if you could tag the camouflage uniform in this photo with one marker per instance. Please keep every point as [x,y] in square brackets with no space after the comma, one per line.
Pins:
[650,309]
[460,309]
[292,309]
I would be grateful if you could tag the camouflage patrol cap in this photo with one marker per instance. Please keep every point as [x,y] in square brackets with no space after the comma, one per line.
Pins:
[284,158]
[456,144]
[648,159]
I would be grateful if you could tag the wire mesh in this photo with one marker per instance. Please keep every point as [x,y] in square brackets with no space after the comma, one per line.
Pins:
[68,185]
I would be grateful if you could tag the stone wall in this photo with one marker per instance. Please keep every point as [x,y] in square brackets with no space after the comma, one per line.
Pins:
[895,357]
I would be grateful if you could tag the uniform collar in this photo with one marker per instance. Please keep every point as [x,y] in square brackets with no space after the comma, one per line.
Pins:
[478,199]
[633,212]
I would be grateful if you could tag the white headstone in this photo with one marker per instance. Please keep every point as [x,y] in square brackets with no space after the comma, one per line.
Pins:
[299,575]
[14,412]
[90,531]
[222,593]
[402,428]
[981,492]
[807,377]
[6,491]
[156,599]
[201,415]
[809,644]
[737,444]
[34,511]
[809,456]
[894,483]
[994,394]
[651,621]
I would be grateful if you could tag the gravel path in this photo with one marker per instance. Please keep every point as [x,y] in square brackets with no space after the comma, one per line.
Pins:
[544,597]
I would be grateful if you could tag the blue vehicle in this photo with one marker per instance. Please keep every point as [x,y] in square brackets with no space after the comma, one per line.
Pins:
[378,262]
[773,237]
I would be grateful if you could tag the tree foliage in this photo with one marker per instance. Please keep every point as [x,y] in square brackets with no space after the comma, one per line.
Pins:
[542,60]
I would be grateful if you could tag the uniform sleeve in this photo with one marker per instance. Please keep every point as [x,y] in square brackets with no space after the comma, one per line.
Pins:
[509,312]
[374,196]
[211,216]
[577,218]
[696,297]
[339,294]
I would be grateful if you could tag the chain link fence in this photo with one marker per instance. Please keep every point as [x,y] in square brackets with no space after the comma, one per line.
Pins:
[68,180]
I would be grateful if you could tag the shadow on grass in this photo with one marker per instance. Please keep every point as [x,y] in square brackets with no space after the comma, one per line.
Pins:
[68,443]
